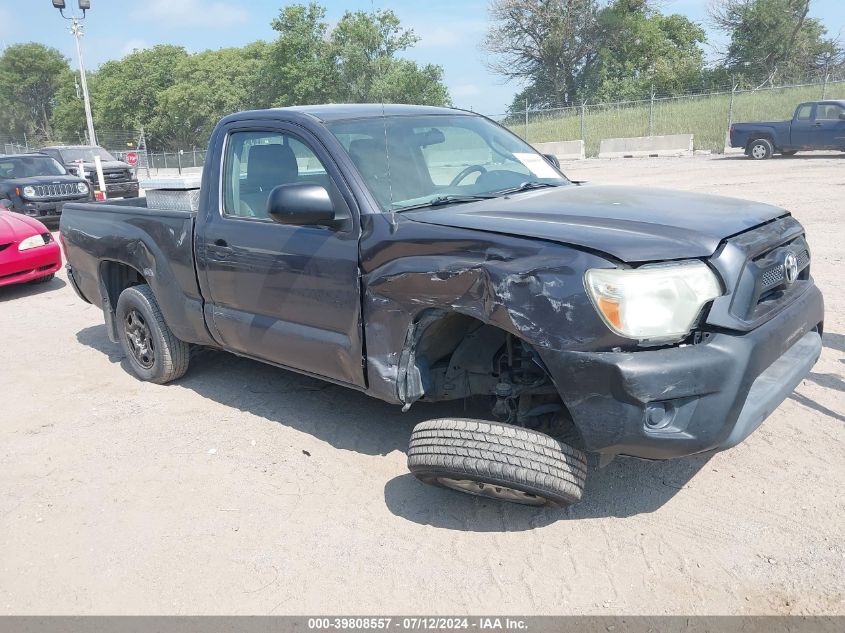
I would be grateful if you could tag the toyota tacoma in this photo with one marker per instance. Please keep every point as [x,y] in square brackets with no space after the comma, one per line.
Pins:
[423,254]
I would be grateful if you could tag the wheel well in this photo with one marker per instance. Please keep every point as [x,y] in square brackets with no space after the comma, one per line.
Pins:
[761,136]
[115,277]
[454,356]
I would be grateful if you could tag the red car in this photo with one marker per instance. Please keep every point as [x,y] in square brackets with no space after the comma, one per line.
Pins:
[28,251]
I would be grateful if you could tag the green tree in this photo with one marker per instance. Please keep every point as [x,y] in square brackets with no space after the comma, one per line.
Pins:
[30,76]
[364,46]
[208,86]
[642,51]
[126,93]
[549,45]
[300,68]
[774,41]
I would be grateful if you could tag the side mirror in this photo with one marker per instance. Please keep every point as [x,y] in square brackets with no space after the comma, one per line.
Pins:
[300,203]
[552,159]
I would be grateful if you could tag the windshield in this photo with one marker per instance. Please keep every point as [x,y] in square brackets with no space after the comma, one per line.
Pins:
[85,154]
[411,161]
[29,166]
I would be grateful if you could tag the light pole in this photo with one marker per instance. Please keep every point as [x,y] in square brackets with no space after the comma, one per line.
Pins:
[78,31]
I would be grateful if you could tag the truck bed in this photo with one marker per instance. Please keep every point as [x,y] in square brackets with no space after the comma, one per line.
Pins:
[107,240]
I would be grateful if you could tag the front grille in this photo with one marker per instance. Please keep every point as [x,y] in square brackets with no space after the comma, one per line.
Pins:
[751,265]
[57,191]
[774,275]
[116,176]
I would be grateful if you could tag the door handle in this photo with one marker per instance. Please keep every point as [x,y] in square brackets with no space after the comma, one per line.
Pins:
[220,248]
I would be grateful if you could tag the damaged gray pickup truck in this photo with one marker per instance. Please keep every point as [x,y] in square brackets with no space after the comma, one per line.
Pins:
[428,254]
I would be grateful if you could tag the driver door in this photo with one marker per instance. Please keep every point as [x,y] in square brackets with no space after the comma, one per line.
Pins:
[286,294]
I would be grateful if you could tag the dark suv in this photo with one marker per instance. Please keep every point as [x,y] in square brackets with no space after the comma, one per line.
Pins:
[119,176]
[38,186]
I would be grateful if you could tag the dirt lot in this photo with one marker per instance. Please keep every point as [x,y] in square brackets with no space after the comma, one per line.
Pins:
[245,489]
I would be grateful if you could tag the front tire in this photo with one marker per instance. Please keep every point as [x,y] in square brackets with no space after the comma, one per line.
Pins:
[154,353]
[761,149]
[497,461]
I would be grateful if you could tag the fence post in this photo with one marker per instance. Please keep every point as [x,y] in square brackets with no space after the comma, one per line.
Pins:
[583,113]
[731,106]
[651,115]
[526,121]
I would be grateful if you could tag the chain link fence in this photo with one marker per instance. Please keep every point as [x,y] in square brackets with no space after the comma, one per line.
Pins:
[707,116]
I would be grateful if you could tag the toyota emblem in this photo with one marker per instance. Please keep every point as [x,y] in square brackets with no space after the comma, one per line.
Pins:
[790,267]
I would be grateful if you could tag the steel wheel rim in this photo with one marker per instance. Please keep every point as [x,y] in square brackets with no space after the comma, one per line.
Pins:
[138,336]
[491,491]
[758,151]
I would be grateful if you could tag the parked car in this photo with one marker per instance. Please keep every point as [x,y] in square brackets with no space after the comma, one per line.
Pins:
[428,254]
[27,249]
[119,176]
[38,186]
[816,125]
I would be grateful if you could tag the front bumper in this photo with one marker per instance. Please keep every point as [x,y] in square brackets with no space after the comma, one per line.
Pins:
[679,401]
[18,267]
[48,209]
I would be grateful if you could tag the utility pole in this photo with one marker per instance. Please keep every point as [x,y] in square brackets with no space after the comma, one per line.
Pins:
[78,31]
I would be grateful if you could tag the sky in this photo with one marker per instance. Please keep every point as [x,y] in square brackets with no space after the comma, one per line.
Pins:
[451,32]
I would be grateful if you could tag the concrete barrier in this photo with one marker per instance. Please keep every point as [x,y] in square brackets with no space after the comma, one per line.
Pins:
[564,150]
[673,145]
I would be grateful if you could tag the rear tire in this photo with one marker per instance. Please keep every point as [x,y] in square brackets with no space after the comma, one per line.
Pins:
[153,352]
[497,461]
[760,149]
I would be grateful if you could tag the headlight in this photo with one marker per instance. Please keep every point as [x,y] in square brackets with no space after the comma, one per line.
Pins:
[31,242]
[82,187]
[655,304]
[29,192]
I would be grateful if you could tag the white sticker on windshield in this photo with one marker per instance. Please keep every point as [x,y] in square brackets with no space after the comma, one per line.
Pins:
[538,165]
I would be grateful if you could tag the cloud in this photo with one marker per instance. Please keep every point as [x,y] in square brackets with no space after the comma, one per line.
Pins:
[134,45]
[7,27]
[455,34]
[463,91]
[185,13]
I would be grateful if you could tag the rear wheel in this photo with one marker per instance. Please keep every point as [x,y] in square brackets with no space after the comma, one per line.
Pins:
[154,353]
[761,149]
[497,461]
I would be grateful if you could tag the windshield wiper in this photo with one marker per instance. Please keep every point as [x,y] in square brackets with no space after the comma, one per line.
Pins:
[439,201]
[527,186]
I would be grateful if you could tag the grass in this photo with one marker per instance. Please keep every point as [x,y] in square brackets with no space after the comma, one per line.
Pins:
[704,116]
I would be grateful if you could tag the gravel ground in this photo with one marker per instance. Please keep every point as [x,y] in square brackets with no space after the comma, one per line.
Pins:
[246,489]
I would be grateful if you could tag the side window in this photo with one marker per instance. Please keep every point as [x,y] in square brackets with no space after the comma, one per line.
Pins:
[257,162]
[828,112]
[805,112]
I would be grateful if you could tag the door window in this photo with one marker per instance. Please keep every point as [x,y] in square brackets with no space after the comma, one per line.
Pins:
[805,112]
[828,112]
[258,161]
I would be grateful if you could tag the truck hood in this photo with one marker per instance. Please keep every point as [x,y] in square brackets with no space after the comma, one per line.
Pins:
[108,165]
[631,224]
[41,180]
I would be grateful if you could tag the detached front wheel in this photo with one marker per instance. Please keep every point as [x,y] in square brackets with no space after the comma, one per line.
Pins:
[154,353]
[497,461]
